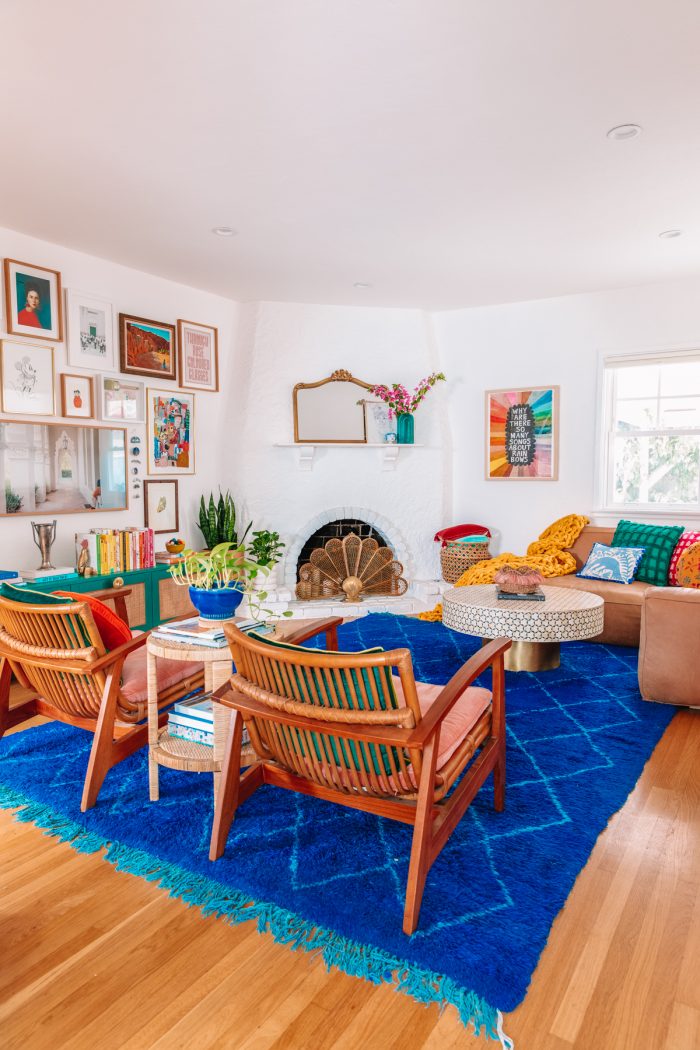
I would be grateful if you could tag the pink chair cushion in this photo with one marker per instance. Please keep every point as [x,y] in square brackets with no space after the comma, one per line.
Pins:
[169,672]
[464,714]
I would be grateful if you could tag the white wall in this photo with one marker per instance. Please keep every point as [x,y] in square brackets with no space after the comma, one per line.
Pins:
[281,344]
[146,296]
[552,341]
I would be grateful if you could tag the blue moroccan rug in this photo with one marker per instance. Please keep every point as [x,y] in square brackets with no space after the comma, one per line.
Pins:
[327,879]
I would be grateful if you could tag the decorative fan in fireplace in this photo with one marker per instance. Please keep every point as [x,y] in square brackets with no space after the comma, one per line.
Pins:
[352,567]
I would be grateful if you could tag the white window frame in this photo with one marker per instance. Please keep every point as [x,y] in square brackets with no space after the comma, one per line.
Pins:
[607,511]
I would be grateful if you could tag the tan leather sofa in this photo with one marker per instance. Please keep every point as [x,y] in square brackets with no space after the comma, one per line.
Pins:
[663,621]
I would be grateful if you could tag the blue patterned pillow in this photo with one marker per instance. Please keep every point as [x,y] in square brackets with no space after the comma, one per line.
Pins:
[616,564]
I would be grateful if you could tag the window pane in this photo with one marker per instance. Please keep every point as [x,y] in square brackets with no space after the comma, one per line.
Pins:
[642,381]
[679,412]
[682,378]
[656,470]
[636,415]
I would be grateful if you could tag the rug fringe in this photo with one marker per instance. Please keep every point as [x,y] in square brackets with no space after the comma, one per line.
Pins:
[213,898]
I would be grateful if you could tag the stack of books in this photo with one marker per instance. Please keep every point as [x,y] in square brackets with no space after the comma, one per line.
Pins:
[41,575]
[117,550]
[198,632]
[193,719]
[531,596]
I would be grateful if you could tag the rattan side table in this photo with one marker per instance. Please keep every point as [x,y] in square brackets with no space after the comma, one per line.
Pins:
[172,751]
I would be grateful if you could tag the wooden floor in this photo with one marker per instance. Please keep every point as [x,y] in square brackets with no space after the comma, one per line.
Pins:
[93,958]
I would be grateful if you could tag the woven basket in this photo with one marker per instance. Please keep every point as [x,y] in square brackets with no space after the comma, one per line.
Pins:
[456,558]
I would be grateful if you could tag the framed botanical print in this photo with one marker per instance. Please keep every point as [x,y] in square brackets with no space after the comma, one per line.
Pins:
[160,506]
[522,434]
[77,399]
[170,421]
[26,379]
[122,398]
[147,348]
[33,301]
[198,356]
[90,341]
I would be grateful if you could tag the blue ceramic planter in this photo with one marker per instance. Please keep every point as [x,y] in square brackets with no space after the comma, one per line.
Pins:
[220,604]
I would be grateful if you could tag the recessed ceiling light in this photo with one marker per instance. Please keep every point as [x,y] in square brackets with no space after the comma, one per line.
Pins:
[224,231]
[624,132]
[668,235]
[362,284]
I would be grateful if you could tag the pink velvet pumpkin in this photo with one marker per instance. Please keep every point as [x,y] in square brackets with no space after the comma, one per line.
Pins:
[521,580]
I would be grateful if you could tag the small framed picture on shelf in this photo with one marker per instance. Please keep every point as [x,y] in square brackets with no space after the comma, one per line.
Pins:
[198,356]
[26,379]
[147,348]
[170,421]
[90,342]
[160,505]
[33,301]
[380,423]
[122,399]
[77,398]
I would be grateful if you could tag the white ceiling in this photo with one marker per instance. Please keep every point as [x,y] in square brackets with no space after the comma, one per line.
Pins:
[450,152]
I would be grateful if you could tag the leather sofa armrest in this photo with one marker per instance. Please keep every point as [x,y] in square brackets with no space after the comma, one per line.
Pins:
[669,642]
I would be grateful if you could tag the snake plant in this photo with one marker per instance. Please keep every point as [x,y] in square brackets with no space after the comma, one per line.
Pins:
[217,521]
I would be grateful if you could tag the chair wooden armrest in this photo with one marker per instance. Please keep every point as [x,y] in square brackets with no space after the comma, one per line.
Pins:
[118,595]
[491,654]
[329,627]
[122,650]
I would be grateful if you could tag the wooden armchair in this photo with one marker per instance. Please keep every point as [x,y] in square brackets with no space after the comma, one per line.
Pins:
[344,728]
[56,652]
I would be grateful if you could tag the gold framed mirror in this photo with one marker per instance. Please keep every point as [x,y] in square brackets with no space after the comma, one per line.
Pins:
[330,410]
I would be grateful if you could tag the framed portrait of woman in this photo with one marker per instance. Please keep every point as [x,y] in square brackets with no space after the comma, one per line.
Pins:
[33,301]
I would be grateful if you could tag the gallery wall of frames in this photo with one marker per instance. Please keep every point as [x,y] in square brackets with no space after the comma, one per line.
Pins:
[126,399]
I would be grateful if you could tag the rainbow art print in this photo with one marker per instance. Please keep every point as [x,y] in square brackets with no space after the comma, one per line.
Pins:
[522,434]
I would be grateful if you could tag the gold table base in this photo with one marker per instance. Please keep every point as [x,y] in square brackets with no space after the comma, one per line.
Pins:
[531,656]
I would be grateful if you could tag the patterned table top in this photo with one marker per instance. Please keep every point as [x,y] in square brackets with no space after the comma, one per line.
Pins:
[565,615]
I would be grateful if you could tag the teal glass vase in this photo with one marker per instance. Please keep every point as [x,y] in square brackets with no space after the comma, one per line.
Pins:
[404,428]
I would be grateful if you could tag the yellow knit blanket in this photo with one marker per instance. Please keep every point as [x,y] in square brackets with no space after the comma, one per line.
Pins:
[546,553]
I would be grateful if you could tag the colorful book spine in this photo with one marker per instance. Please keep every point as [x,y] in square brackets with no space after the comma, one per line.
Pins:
[196,735]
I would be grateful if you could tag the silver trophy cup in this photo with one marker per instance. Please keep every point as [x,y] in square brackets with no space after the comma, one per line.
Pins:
[44,535]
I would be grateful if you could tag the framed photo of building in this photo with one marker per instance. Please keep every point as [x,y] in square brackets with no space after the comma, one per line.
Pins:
[522,434]
[198,356]
[147,348]
[77,398]
[170,421]
[33,301]
[160,506]
[122,399]
[90,342]
[26,379]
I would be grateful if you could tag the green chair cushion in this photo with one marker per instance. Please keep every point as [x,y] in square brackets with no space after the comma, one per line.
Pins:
[659,542]
[20,593]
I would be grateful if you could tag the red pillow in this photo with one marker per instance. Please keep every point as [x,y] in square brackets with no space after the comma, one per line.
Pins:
[687,539]
[113,631]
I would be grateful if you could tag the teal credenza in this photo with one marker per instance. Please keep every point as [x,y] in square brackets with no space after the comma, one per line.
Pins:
[154,597]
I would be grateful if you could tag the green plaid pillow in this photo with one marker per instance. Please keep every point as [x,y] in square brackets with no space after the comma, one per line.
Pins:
[659,542]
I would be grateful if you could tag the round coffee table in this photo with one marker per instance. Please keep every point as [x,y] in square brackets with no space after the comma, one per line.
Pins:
[535,627]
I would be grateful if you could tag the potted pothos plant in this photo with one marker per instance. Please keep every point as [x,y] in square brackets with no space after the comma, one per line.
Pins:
[216,579]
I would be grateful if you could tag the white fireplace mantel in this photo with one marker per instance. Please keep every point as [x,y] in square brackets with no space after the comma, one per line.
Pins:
[306,451]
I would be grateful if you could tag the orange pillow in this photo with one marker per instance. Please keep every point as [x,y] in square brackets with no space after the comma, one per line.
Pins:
[113,631]
[688,568]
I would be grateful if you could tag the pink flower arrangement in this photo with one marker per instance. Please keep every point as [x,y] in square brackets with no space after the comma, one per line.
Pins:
[398,398]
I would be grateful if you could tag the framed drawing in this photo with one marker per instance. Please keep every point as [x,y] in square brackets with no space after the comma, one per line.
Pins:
[380,423]
[146,348]
[77,400]
[160,506]
[33,301]
[122,398]
[198,356]
[522,434]
[170,420]
[26,379]
[90,332]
